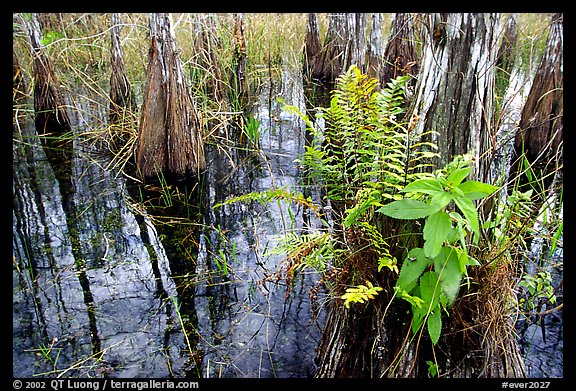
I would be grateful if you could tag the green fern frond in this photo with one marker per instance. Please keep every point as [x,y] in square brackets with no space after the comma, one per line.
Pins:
[271,195]
[360,294]
[309,250]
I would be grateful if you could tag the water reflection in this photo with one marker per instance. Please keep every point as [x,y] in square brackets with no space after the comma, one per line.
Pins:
[89,292]
[250,328]
[99,290]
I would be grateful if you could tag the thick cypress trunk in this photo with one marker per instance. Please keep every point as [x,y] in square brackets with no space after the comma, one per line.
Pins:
[169,139]
[400,57]
[345,44]
[312,48]
[454,98]
[454,94]
[121,98]
[514,80]
[50,113]
[330,60]
[375,49]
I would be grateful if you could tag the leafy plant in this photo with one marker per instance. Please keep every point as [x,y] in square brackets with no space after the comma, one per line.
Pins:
[363,154]
[432,368]
[539,287]
[431,276]
[364,144]
[307,250]
[251,130]
[360,293]
[272,195]
[380,246]
[315,250]
[51,36]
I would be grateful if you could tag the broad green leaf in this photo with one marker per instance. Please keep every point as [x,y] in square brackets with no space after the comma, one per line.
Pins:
[412,268]
[457,192]
[457,176]
[453,235]
[419,314]
[462,255]
[414,300]
[468,208]
[408,209]
[426,186]
[434,324]
[475,190]
[447,266]
[429,290]
[440,199]
[436,230]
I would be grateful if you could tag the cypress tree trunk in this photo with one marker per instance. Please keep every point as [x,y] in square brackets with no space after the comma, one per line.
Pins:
[169,139]
[541,125]
[400,57]
[312,48]
[330,60]
[375,49]
[513,83]
[122,110]
[344,45]
[121,98]
[356,27]
[49,108]
[454,98]
[454,94]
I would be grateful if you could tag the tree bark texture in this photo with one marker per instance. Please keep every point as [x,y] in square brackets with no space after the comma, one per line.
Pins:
[345,44]
[122,100]
[516,78]
[540,134]
[455,99]
[375,49]
[211,75]
[454,93]
[169,139]
[400,56]
[49,108]
[312,47]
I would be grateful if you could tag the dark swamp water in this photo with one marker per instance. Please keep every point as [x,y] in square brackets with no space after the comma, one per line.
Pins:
[101,288]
